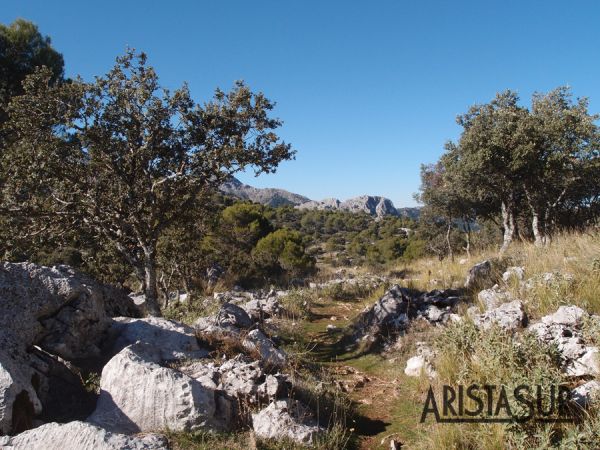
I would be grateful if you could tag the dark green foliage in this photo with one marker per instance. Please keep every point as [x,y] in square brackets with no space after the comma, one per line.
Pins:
[22,50]
[283,252]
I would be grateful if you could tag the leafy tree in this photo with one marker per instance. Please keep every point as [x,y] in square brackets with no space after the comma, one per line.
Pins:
[124,159]
[22,50]
[563,154]
[283,252]
[483,160]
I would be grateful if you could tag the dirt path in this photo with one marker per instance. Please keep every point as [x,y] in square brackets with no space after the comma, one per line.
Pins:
[382,394]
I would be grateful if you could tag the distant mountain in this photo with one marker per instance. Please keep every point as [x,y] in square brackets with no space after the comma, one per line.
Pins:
[266,196]
[374,205]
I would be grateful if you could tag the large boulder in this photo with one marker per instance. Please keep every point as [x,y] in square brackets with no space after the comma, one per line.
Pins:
[286,419]
[173,340]
[137,394]
[78,436]
[19,400]
[48,315]
[63,312]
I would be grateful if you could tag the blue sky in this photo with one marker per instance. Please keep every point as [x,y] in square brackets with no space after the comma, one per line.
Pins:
[367,90]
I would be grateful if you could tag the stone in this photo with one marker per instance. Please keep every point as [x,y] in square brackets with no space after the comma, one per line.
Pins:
[435,314]
[19,401]
[570,316]
[416,365]
[286,419]
[513,272]
[233,315]
[139,395]
[260,309]
[480,276]
[586,365]
[586,394]
[207,374]
[508,316]
[256,340]
[78,435]
[62,311]
[173,340]
[270,388]
[494,297]
[239,378]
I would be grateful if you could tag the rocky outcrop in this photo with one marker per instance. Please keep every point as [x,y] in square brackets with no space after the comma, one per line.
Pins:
[172,340]
[480,276]
[48,316]
[265,196]
[80,435]
[373,205]
[56,308]
[563,329]
[286,419]
[508,316]
[393,312]
[137,394]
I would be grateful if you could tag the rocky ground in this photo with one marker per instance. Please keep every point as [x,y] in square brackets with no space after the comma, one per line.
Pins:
[341,363]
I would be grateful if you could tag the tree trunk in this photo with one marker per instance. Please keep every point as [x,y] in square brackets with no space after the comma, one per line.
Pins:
[508,222]
[468,238]
[150,288]
[539,235]
[450,254]
[537,226]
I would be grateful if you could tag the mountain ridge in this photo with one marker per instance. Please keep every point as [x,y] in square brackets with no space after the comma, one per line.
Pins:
[374,205]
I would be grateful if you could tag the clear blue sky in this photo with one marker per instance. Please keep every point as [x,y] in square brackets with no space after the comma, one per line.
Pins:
[368,90]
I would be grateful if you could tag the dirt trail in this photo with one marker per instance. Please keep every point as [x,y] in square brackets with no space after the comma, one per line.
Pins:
[370,380]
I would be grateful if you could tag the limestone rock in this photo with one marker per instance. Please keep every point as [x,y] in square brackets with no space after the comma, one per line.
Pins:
[256,340]
[586,394]
[78,436]
[571,316]
[494,297]
[171,339]
[137,394]
[19,401]
[233,315]
[480,276]
[259,309]
[513,272]
[56,308]
[421,362]
[286,419]
[508,316]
